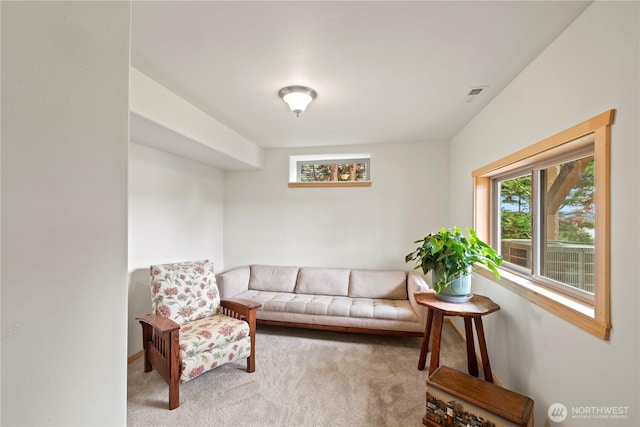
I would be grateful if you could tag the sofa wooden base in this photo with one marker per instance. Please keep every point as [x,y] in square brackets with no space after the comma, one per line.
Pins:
[340,328]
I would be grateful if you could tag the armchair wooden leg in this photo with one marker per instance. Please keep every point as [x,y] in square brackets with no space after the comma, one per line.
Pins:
[174,371]
[174,394]
[147,332]
[251,363]
[251,360]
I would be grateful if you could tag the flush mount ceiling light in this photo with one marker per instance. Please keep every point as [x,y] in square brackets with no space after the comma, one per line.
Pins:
[297,97]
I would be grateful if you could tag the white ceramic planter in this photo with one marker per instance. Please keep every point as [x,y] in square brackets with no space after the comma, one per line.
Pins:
[457,291]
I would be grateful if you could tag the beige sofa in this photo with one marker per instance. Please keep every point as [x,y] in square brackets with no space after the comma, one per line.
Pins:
[370,301]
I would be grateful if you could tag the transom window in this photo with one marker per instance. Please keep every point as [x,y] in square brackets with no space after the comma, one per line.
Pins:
[546,211]
[330,170]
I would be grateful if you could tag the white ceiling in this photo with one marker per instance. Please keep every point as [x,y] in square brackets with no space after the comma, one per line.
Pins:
[384,71]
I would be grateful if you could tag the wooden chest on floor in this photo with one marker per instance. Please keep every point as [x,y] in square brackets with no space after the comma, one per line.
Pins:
[457,399]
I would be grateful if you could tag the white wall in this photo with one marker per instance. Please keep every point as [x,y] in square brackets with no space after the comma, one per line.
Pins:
[175,214]
[357,227]
[65,119]
[590,68]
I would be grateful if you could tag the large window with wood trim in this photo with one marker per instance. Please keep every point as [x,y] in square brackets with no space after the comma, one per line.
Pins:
[546,210]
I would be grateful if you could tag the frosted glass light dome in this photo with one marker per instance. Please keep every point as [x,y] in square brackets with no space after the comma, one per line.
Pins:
[297,97]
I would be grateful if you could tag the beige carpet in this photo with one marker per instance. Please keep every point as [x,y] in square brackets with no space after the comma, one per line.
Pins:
[303,378]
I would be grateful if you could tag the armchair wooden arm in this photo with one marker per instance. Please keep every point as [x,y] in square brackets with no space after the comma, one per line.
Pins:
[240,306]
[159,323]
[244,310]
[161,343]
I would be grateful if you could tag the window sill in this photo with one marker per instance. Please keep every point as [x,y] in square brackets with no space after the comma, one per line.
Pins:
[575,312]
[330,184]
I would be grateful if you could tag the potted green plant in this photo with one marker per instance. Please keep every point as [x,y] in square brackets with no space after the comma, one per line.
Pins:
[451,257]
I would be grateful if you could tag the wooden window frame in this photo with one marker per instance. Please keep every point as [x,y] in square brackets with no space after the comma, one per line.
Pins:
[330,184]
[596,318]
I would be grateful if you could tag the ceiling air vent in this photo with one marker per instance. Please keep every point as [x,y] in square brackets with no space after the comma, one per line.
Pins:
[474,92]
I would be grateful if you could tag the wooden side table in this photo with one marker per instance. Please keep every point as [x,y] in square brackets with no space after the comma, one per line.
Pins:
[475,308]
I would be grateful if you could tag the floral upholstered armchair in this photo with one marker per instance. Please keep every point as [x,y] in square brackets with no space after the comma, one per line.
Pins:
[191,330]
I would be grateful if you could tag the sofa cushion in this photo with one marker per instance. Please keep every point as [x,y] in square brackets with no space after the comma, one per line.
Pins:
[325,305]
[210,332]
[212,341]
[273,278]
[233,282]
[323,281]
[378,284]
[184,291]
